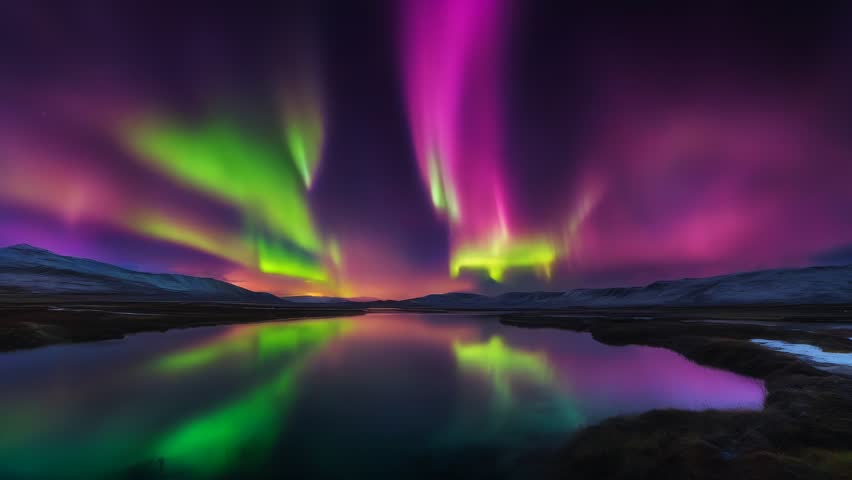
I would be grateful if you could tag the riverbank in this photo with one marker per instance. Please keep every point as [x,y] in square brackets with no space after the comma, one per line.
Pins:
[804,431]
[38,324]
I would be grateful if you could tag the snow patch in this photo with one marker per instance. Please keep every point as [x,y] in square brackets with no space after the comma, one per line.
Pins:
[808,352]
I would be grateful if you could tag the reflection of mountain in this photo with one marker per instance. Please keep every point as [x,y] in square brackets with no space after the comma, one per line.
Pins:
[813,285]
[30,270]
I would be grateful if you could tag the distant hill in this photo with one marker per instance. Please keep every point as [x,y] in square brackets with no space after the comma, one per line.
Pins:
[28,270]
[315,299]
[793,286]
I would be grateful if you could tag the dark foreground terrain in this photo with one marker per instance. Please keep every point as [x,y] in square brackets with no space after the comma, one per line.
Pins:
[804,431]
[35,324]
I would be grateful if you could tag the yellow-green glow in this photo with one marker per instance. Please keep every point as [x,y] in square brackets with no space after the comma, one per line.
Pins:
[227,161]
[436,184]
[504,254]
[441,190]
[304,141]
[220,244]
[303,127]
[247,249]
[265,181]
[273,258]
[334,253]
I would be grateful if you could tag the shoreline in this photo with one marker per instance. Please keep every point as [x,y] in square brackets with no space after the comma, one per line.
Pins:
[804,430]
[26,326]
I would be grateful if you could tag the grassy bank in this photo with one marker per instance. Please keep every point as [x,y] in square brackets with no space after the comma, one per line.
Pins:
[804,431]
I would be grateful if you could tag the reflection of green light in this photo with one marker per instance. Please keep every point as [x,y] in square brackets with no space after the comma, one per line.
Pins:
[243,431]
[503,255]
[47,443]
[210,444]
[272,341]
[503,364]
[207,445]
[226,161]
[507,418]
[201,356]
[268,341]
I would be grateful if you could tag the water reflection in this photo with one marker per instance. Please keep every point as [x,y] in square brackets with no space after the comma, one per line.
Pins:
[503,365]
[362,395]
[241,432]
[247,343]
[547,406]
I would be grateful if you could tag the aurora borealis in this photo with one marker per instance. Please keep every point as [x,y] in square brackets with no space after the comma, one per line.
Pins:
[396,149]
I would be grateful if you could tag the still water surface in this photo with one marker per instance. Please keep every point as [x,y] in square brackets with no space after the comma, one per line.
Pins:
[386,394]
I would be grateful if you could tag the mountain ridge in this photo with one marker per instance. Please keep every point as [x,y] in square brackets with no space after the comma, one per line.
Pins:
[26,269]
[782,286]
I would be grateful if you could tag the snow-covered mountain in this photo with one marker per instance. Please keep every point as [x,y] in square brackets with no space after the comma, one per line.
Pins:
[812,285]
[34,271]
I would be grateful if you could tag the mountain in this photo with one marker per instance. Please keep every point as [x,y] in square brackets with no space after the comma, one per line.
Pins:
[315,299]
[455,299]
[792,286]
[27,270]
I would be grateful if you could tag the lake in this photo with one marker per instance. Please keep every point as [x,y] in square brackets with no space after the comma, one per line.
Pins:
[386,394]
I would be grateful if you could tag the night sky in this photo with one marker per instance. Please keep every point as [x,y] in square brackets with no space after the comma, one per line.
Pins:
[394,149]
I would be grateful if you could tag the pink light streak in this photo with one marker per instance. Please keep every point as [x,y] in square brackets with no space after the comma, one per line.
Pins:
[451,59]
